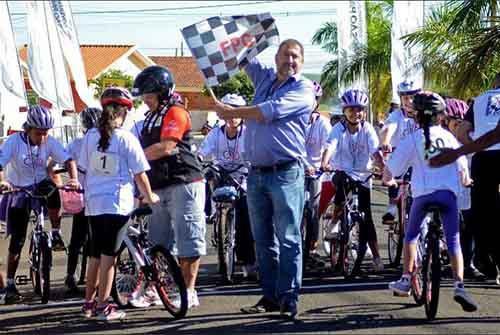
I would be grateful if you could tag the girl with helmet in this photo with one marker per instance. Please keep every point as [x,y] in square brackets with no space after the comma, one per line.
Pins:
[399,124]
[351,148]
[225,145]
[26,155]
[436,186]
[89,118]
[317,131]
[112,159]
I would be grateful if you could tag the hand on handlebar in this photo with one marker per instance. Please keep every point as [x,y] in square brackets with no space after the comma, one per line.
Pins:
[153,198]
[387,178]
[386,148]
[73,184]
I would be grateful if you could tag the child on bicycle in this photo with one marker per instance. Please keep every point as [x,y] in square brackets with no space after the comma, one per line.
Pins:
[224,144]
[26,154]
[80,228]
[317,132]
[430,186]
[112,159]
[352,146]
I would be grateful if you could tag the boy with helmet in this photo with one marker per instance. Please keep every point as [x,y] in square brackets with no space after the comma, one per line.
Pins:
[436,186]
[225,145]
[89,118]
[351,148]
[317,132]
[399,124]
[113,160]
[27,154]
[176,174]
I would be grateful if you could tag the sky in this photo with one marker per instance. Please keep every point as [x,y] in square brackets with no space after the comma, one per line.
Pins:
[154,26]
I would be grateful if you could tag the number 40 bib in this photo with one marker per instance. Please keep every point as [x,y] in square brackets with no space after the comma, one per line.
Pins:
[104,163]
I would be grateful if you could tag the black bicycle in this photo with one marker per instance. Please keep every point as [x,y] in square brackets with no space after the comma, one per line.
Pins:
[140,264]
[226,190]
[40,251]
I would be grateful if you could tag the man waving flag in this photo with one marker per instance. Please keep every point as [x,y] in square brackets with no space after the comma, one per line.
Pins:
[222,45]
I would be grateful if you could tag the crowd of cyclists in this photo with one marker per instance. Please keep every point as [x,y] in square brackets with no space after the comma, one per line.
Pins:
[119,169]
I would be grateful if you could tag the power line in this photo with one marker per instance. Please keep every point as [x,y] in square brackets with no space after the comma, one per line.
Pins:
[90,12]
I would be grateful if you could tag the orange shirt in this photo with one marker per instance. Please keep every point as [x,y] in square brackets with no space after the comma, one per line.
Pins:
[176,123]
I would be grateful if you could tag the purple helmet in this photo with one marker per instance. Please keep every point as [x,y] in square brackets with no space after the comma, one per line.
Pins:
[456,108]
[318,91]
[354,98]
[39,117]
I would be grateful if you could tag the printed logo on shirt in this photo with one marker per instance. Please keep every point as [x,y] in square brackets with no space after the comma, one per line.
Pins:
[493,107]
[172,126]
[409,128]
[231,156]
[37,161]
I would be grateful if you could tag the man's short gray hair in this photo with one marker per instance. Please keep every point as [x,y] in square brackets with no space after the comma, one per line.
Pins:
[292,42]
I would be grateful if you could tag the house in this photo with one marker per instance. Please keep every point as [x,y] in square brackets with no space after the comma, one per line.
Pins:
[189,83]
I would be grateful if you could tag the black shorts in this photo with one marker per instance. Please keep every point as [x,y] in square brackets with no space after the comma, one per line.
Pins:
[104,232]
[18,218]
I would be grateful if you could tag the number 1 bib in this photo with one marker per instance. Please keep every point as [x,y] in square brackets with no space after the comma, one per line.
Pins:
[104,163]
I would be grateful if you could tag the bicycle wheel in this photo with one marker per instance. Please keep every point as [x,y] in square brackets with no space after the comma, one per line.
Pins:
[395,239]
[128,278]
[351,249]
[35,268]
[431,273]
[169,282]
[46,265]
[225,244]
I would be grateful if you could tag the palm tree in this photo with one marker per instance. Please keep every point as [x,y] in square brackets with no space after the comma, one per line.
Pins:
[375,57]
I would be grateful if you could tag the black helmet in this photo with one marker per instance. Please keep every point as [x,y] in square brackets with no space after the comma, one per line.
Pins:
[154,79]
[428,103]
[90,116]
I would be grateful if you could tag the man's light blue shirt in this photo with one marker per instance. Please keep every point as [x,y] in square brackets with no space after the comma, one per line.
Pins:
[286,109]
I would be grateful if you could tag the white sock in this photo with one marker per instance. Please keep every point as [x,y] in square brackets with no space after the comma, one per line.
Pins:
[459,284]
[406,276]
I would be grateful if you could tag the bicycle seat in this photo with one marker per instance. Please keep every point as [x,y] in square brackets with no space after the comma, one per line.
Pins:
[225,194]
[141,211]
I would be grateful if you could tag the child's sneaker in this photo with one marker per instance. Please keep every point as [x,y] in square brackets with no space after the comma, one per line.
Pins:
[152,297]
[193,300]
[89,309]
[461,296]
[402,287]
[110,312]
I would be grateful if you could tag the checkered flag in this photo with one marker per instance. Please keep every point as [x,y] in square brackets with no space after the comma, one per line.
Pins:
[222,45]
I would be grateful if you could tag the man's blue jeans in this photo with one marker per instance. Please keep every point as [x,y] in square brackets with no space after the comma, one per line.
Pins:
[275,204]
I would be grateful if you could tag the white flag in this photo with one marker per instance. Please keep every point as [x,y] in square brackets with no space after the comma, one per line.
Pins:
[10,72]
[46,67]
[351,35]
[408,16]
[71,48]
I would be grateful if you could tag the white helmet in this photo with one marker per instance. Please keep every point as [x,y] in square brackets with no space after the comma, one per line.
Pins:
[234,100]
[408,88]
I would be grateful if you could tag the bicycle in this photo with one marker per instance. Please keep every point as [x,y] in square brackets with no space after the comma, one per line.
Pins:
[345,248]
[139,263]
[395,230]
[226,191]
[40,250]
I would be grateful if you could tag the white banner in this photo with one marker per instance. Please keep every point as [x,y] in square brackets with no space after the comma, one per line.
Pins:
[10,72]
[71,48]
[351,35]
[408,16]
[46,67]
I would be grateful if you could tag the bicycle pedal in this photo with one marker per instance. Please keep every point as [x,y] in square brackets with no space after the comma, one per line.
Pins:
[22,280]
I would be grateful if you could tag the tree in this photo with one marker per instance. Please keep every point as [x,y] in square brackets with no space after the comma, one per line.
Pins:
[113,78]
[461,43]
[375,57]
[238,84]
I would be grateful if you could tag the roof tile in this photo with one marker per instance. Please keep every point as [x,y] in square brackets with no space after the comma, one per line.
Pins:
[184,70]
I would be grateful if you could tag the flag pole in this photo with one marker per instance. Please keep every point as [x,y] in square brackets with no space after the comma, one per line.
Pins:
[212,94]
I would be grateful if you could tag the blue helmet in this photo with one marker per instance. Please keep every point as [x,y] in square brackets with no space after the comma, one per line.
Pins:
[39,117]
[408,88]
[354,98]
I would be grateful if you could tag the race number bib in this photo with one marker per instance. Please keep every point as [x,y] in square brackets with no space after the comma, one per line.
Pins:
[436,145]
[104,163]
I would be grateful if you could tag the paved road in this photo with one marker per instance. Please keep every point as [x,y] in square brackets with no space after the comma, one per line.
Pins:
[328,304]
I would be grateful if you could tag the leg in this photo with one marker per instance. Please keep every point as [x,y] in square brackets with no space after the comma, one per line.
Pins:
[106,275]
[94,260]
[313,230]
[189,267]
[18,225]
[260,210]
[245,247]
[287,196]
[79,232]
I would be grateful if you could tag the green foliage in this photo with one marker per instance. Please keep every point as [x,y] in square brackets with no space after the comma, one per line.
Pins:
[113,78]
[238,84]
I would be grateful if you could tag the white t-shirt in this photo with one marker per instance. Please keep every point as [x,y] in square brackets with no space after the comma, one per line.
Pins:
[352,153]
[227,152]
[74,148]
[109,182]
[21,162]
[487,114]
[400,125]
[426,179]
[316,137]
